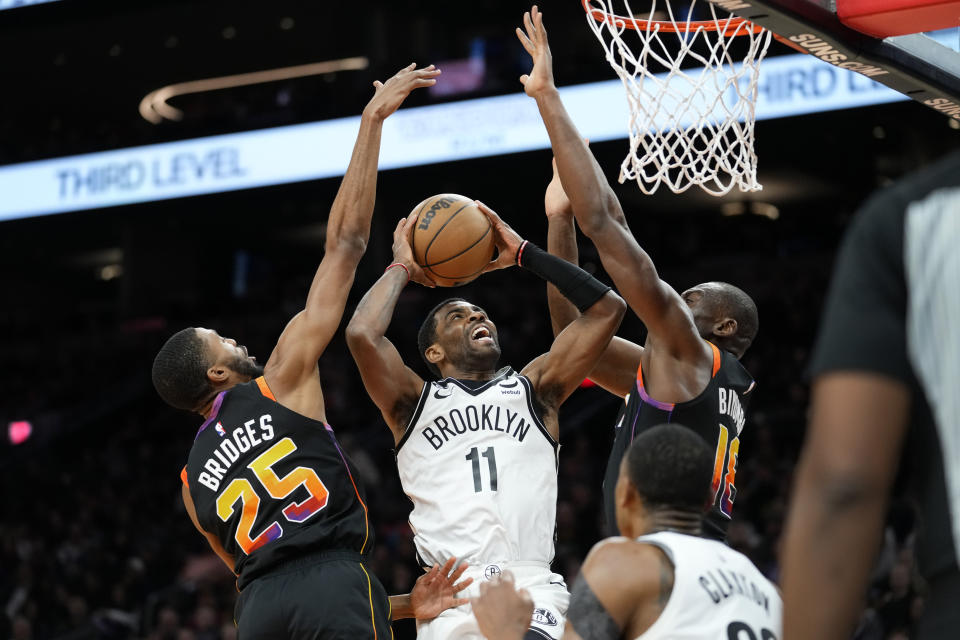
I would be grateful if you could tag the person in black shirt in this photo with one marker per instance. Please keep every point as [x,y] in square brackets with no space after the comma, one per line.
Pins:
[266,481]
[887,357]
[688,369]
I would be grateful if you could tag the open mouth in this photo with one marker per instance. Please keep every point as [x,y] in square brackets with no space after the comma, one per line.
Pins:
[481,335]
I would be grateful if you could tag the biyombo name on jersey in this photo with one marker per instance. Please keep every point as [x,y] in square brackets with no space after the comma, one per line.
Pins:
[228,451]
[486,417]
[730,405]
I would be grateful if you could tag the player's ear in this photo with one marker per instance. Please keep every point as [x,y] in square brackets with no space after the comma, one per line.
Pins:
[218,374]
[726,327]
[434,353]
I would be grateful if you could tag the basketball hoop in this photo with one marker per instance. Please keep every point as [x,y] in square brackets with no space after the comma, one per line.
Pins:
[692,123]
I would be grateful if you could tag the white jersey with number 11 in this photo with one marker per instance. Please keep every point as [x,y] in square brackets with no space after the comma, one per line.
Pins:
[481,470]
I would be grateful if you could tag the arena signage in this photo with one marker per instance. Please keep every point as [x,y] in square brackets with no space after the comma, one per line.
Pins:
[789,85]
[16,4]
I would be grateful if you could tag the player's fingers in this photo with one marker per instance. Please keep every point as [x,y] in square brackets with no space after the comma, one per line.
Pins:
[528,25]
[377,84]
[525,596]
[487,211]
[458,572]
[425,82]
[448,566]
[507,577]
[412,65]
[463,584]
[523,79]
[525,41]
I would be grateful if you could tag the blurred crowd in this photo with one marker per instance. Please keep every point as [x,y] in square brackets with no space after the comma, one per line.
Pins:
[95,542]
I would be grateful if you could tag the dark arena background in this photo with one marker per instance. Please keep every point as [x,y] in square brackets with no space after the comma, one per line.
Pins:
[94,539]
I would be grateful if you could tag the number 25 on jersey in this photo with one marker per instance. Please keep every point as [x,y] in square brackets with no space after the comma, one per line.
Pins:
[242,490]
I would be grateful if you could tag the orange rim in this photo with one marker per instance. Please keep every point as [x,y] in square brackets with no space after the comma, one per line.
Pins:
[732,26]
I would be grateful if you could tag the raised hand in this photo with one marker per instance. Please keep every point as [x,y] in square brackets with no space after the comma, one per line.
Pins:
[403,250]
[507,240]
[502,612]
[534,40]
[391,94]
[436,590]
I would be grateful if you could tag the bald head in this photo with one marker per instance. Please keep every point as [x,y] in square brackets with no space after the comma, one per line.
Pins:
[725,315]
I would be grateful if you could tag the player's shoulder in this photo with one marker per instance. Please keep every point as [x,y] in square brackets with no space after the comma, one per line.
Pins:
[623,563]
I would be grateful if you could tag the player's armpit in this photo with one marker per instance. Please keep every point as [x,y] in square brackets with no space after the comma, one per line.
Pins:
[211,539]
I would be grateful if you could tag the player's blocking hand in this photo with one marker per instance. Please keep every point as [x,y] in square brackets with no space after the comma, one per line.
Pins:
[436,590]
[534,39]
[502,612]
[390,95]
[508,241]
[403,250]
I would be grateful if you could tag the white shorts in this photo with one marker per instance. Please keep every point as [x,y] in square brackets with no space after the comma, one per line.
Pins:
[548,590]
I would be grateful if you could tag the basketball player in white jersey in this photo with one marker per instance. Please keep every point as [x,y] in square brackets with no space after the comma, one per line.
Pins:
[477,450]
[662,579]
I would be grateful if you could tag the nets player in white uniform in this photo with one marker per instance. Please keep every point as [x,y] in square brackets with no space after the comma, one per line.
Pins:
[477,451]
[662,580]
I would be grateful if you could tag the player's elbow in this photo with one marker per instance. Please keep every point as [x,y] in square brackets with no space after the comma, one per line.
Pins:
[359,335]
[611,307]
[349,245]
[839,489]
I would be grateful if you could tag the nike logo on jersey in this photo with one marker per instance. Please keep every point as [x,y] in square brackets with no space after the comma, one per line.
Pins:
[485,417]
[510,385]
[442,393]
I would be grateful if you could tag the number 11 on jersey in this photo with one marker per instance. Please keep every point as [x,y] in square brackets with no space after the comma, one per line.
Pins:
[474,458]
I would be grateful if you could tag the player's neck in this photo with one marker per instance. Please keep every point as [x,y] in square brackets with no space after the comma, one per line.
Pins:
[470,374]
[674,520]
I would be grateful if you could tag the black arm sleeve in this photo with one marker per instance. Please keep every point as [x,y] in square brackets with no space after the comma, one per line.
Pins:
[587,615]
[576,285]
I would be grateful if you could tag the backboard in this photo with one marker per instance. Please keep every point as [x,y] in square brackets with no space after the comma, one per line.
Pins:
[875,38]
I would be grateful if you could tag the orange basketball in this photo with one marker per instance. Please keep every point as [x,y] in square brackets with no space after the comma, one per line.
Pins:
[452,239]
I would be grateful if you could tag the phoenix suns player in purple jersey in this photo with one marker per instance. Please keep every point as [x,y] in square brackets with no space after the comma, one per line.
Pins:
[688,369]
[266,481]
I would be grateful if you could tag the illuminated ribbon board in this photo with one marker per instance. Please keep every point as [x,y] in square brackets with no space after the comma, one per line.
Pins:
[16,4]
[789,85]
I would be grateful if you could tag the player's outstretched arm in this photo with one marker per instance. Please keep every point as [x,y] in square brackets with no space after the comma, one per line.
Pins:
[348,229]
[617,368]
[833,530]
[598,211]
[393,386]
[576,350]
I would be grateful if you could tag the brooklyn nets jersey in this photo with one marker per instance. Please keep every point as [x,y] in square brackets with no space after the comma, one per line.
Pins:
[272,484]
[481,470]
[717,414]
[717,593]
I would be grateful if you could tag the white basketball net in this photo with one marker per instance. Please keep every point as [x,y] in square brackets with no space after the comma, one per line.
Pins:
[693,125]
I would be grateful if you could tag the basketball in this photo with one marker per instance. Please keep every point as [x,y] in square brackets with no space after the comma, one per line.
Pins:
[452,240]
